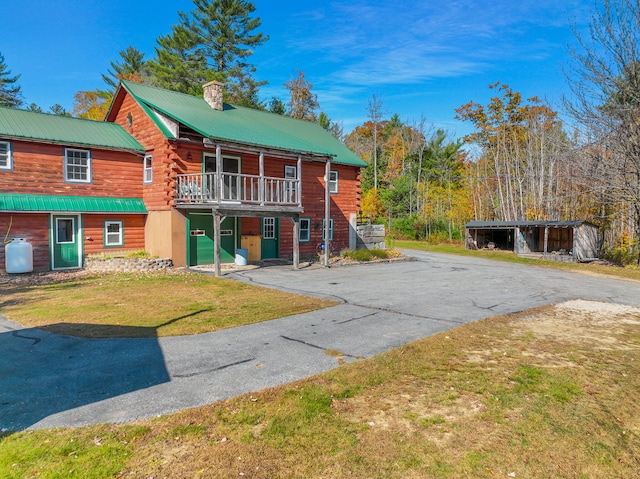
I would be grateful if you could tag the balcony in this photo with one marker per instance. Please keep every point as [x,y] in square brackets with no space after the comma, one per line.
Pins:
[238,192]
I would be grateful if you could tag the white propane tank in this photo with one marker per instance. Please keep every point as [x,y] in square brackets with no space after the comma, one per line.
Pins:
[18,256]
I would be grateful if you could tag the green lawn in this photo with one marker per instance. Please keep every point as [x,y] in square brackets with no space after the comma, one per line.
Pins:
[127,305]
[545,393]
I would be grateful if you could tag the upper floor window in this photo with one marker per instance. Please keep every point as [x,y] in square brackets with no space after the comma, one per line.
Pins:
[333,181]
[5,155]
[290,173]
[148,172]
[77,165]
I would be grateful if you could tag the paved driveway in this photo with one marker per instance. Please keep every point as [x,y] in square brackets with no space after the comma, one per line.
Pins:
[49,380]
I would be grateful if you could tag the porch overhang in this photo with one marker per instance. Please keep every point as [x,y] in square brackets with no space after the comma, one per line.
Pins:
[21,203]
[245,210]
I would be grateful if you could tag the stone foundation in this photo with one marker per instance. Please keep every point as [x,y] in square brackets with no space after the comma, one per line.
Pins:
[126,265]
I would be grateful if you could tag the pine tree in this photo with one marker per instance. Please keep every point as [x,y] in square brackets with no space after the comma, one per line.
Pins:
[9,91]
[132,67]
[212,42]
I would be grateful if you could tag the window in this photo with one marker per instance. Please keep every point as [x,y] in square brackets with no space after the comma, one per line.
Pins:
[113,233]
[304,233]
[290,173]
[330,229]
[268,228]
[77,165]
[5,155]
[148,172]
[333,181]
[65,231]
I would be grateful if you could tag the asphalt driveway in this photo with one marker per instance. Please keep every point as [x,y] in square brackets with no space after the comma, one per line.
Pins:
[49,380]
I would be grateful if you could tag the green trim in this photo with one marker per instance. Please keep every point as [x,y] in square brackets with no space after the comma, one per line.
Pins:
[308,230]
[71,204]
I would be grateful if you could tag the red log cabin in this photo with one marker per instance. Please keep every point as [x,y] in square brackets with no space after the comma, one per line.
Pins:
[182,177]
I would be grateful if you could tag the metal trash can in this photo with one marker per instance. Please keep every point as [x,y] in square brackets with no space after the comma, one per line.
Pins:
[241,256]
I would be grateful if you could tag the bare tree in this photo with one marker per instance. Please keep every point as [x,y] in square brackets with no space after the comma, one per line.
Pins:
[374,113]
[604,76]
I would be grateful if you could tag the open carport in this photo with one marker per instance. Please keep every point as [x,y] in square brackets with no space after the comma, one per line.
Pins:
[574,240]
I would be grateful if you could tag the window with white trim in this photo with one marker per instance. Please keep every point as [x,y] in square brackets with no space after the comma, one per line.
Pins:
[148,171]
[5,155]
[304,231]
[77,165]
[333,181]
[113,233]
[290,173]
[324,222]
[268,228]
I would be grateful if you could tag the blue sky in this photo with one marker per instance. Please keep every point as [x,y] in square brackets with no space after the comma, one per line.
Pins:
[421,58]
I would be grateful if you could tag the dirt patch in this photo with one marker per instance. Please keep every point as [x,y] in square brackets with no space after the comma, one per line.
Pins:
[48,277]
[557,336]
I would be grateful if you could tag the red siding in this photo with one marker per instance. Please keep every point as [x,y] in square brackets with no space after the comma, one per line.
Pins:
[38,169]
[94,232]
[32,227]
[158,194]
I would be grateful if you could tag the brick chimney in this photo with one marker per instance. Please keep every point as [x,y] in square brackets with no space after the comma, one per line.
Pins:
[213,94]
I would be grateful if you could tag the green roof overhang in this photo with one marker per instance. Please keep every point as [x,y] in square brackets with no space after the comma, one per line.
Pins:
[70,204]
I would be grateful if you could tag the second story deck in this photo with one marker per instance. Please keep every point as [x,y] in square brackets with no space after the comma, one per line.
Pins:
[236,191]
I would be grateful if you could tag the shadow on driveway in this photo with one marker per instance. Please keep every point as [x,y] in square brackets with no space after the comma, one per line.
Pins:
[42,373]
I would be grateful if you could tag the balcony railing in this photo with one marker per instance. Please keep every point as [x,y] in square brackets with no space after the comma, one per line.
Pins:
[214,188]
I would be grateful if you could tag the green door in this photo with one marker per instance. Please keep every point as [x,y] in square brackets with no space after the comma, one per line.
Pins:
[66,242]
[270,233]
[201,242]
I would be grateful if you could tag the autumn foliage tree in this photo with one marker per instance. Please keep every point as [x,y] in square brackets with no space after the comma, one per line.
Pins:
[521,147]
[303,103]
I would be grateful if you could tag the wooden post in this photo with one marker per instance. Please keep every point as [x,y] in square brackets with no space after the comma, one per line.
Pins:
[327,212]
[216,243]
[296,242]
[261,179]
[219,182]
[299,186]
[546,239]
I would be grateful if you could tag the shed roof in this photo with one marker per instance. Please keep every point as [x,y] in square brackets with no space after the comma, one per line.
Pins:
[43,127]
[524,224]
[70,204]
[241,125]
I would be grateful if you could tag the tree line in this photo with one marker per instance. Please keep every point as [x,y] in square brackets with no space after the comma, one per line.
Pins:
[519,163]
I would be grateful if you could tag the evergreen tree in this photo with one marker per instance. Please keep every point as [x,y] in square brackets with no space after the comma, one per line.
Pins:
[9,90]
[132,67]
[212,42]
[178,66]
[276,105]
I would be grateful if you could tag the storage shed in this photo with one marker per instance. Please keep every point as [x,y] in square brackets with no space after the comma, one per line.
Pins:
[575,240]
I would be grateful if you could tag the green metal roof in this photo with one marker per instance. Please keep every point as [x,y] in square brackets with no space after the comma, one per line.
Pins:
[70,204]
[241,125]
[31,126]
